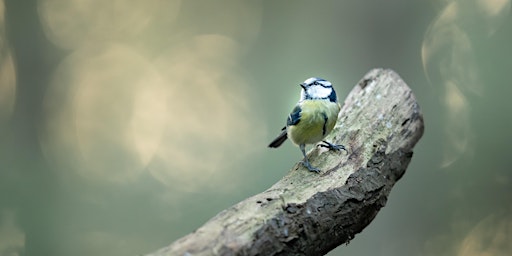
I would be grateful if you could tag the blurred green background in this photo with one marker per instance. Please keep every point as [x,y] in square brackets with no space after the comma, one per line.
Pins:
[125,125]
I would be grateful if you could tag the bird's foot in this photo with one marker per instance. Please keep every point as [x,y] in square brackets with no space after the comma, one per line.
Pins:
[310,168]
[333,146]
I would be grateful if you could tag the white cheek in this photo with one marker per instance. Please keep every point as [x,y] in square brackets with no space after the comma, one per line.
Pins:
[320,92]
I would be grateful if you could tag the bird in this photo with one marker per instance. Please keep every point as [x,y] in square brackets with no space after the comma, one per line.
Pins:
[312,119]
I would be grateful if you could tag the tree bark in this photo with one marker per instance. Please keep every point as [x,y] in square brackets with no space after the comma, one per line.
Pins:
[306,213]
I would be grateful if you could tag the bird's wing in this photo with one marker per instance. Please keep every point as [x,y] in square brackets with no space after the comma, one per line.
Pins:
[294,117]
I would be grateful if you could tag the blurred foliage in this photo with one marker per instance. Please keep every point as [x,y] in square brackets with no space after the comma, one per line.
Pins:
[125,125]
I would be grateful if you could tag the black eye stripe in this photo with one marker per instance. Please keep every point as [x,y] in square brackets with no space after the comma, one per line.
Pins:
[321,84]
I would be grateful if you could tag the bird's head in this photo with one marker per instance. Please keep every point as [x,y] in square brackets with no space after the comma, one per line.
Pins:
[315,88]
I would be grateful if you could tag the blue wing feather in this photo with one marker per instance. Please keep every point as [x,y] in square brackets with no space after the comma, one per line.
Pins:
[294,117]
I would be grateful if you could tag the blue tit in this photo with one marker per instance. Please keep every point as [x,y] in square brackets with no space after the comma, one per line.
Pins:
[312,119]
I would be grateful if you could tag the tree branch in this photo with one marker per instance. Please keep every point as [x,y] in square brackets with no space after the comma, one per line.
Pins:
[309,214]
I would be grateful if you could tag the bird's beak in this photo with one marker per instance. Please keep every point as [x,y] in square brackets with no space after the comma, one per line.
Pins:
[303,85]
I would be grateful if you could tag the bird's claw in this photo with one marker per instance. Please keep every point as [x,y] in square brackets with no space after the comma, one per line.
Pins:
[333,146]
[310,168]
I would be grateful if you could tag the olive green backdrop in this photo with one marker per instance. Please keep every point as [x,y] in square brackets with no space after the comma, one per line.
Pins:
[125,125]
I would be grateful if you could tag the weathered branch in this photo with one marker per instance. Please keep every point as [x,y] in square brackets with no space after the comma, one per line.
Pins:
[309,214]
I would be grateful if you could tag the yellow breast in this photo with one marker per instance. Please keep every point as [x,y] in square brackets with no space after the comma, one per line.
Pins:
[317,119]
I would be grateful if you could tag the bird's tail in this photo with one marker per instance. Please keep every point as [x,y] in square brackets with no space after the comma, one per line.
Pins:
[279,140]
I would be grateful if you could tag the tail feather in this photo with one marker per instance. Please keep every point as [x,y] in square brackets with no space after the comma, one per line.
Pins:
[279,140]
